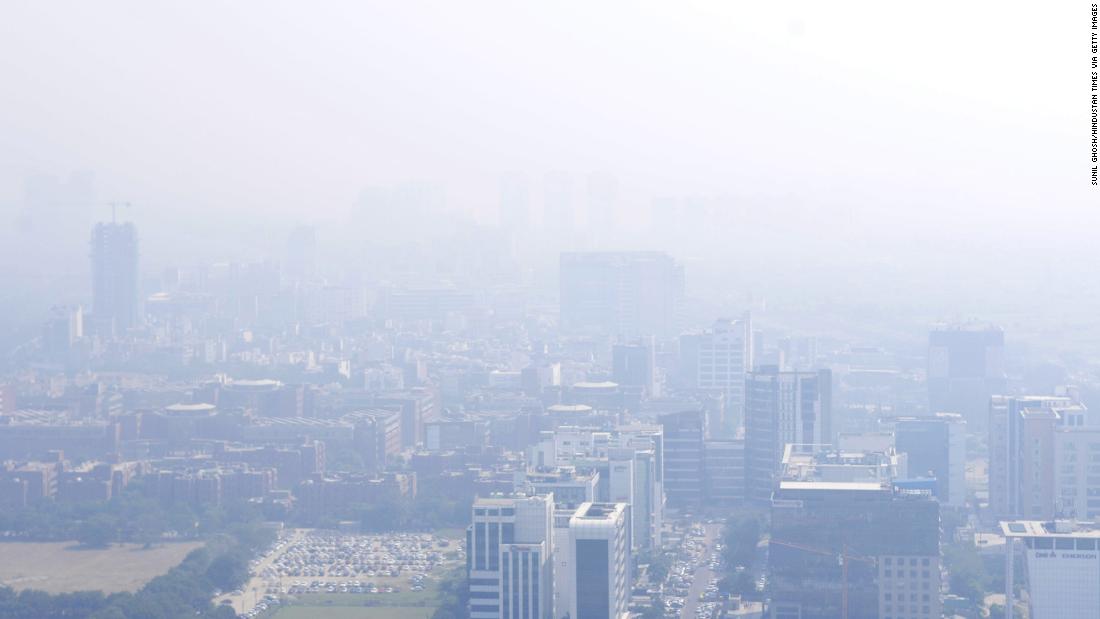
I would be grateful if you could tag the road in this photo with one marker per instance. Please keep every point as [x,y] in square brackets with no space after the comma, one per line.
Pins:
[255,589]
[703,573]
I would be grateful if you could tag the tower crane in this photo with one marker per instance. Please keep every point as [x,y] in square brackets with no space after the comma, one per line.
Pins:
[842,559]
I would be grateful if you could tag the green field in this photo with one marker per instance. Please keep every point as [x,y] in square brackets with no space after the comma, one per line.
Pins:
[61,567]
[404,605]
[354,612]
[401,598]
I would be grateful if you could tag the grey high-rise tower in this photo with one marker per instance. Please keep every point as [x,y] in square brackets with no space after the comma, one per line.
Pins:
[626,294]
[965,368]
[781,408]
[115,305]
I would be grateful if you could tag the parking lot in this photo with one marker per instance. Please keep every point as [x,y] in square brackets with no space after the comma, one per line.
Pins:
[313,565]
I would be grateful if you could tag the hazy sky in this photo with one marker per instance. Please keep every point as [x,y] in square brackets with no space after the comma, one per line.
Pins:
[946,128]
[288,106]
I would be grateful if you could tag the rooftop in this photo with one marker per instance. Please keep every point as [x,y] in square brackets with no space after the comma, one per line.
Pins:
[1048,528]
[599,511]
[860,486]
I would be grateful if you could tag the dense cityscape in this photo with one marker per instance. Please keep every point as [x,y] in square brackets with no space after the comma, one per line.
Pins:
[461,450]
[703,309]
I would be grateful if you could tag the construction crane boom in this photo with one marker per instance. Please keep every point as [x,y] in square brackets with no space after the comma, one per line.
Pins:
[842,558]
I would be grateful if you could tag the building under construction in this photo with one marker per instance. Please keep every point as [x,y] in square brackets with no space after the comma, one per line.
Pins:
[854,550]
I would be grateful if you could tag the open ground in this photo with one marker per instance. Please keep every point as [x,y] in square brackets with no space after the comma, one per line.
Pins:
[62,567]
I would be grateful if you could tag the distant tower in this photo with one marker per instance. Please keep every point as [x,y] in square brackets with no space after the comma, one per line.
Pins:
[632,365]
[115,306]
[965,368]
[63,328]
[626,294]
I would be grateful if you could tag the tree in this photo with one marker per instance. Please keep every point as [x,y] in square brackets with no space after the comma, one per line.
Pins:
[228,571]
[968,578]
[738,584]
[659,565]
[453,596]
[147,529]
[222,612]
[111,612]
[97,532]
[998,610]
[741,537]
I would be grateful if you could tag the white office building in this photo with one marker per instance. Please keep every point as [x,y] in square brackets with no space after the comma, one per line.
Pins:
[626,465]
[718,360]
[1077,469]
[599,562]
[569,486]
[1063,567]
[508,558]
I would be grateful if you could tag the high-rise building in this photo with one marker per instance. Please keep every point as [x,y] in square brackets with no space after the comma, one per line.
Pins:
[936,447]
[633,365]
[583,465]
[647,507]
[1022,432]
[683,457]
[821,463]
[569,486]
[625,294]
[863,545]
[718,360]
[1076,483]
[965,368]
[526,576]
[115,300]
[509,548]
[600,561]
[724,469]
[63,328]
[782,408]
[1062,565]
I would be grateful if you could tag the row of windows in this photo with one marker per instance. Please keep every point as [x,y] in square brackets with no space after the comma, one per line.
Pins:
[912,597]
[925,561]
[913,609]
[889,573]
[492,595]
[518,573]
[493,534]
[504,511]
[1060,543]
[900,584]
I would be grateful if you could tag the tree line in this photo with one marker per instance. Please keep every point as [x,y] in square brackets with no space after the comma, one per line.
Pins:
[134,515]
[184,591]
